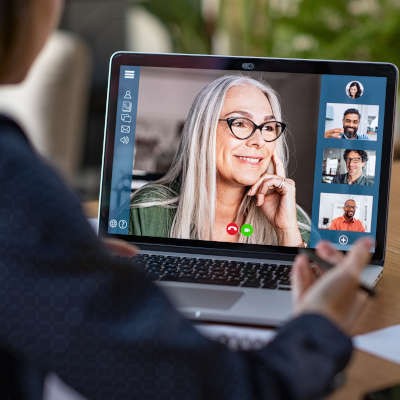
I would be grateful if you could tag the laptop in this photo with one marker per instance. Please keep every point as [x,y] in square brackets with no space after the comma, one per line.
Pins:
[220,168]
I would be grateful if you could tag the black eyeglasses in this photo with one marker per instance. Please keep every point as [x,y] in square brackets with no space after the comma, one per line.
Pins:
[242,128]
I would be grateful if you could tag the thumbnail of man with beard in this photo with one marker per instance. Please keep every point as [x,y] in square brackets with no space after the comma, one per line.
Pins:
[355,163]
[351,122]
[347,222]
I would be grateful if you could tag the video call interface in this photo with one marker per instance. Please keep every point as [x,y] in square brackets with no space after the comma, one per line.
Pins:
[326,180]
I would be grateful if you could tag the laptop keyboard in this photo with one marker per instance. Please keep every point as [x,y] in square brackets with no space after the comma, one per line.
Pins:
[215,272]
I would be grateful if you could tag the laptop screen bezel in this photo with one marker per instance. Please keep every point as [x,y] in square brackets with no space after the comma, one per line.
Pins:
[229,63]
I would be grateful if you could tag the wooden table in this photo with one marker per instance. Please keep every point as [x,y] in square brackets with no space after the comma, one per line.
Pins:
[367,372]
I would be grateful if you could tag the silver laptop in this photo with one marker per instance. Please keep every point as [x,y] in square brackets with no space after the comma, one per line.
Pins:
[221,168]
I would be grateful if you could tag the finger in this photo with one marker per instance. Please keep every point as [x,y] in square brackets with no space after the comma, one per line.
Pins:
[359,302]
[334,133]
[338,132]
[328,253]
[302,277]
[279,168]
[317,270]
[260,199]
[120,247]
[359,256]
[255,188]
[268,183]
[252,191]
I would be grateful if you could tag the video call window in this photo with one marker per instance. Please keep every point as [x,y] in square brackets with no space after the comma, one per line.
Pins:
[349,166]
[351,121]
[259,129]
[345,212]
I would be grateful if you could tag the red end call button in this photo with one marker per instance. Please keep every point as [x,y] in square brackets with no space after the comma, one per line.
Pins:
[232,228]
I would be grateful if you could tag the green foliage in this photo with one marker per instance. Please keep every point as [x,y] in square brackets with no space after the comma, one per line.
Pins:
[344,29]
[248,25]
[341,29]
[184,20]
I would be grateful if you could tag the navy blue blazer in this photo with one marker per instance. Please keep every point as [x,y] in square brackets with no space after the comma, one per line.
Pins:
[68,306]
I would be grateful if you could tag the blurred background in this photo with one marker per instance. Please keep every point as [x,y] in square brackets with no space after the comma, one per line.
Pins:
[62,103]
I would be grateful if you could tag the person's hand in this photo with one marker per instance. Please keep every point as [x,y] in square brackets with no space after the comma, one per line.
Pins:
[120,247]
[335,133]
[276,195]
[336,293]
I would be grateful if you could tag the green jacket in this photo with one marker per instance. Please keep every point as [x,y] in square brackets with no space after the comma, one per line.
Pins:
[156,221]
[151,221]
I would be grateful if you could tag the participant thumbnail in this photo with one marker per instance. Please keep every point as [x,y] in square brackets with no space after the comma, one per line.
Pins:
[354,89]
[349,166]
[345,212]
[351,122]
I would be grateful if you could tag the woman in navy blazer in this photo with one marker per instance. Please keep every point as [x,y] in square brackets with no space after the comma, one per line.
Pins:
[68,305]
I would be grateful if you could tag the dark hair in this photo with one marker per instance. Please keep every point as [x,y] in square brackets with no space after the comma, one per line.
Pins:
[352,111]
[357,85]
[363,154]
[13,16]
[349,200]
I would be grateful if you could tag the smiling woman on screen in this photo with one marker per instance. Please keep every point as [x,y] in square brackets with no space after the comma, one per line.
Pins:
[230,166]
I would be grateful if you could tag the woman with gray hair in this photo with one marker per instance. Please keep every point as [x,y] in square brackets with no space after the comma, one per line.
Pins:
[229,167]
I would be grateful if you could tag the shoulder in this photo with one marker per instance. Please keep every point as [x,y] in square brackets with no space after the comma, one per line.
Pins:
[342,178]
[304,223]
[152,193]
[336,221]
[7,124]
[359,222]
[339,178]
[302,216]
[366,181]
[370,182]
[153,208]
[11,134]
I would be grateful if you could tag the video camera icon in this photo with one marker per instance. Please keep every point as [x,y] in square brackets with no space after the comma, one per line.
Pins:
[246,229]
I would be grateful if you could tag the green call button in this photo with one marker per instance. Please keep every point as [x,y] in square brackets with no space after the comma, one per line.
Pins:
[246,230]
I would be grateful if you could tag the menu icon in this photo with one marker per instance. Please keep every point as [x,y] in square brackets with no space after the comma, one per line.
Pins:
[129,74]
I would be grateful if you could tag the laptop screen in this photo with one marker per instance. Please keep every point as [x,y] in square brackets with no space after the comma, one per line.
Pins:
[263,157]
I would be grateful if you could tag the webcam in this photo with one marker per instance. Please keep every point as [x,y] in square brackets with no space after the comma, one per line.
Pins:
[248,66]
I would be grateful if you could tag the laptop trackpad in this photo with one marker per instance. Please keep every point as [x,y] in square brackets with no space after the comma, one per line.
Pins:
[202,298]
